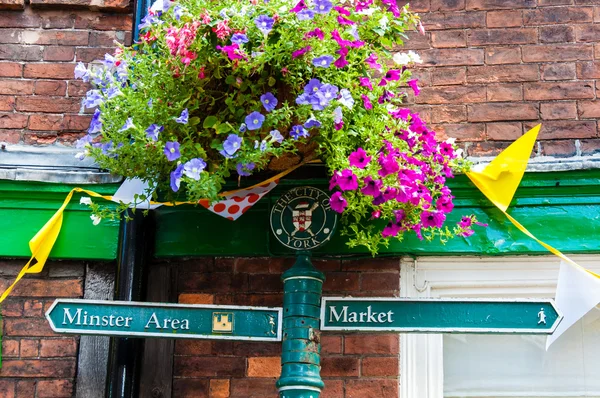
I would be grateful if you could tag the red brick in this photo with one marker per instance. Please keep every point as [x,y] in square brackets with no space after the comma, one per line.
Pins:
[589,109]
[49,288]
[371,344]
[416,5]
[587,33]
[10,36]
[50,87]
[19,52]
[414,41]
[103,21]
[449,39]
[49,71]
[56,19]
[45,122]
[219,388]
[341,282]
[504,19]
[56,37]
[19,19]
[499,4]
[504,92]
[252,388]
[90,54]
[264,367]
[559,90]
[48,104]
[65,347]
[55,388]
[190,388]
[563,71]
[106,38]
[448,76]
[452,57]
[590,147]
[59,53]
[489,148]
[502,55]
[565,129]
[26,388]
[557,52]
[29,348]
[558,110]
[193,347]
[559,148]
[7,388]
[447,5]
[502,36]
[588,70]
[362,388]
[502,73]
[379,366]
[339,367]
[370,264]
[461,131]
[208,366]
[10,136]
[16,86]
[12,121]
[557,34]
[39,138]
[502,112]
[38,368]
[331,344]
[554,2]
[333,389]
[451,94]
[12,4]
[27,327]
[449,114]
[504,131]
[10,348]
[558,15]
[33,308]
[11,69]
[454,20]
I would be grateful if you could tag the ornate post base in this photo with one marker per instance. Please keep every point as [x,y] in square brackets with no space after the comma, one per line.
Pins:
[301,354]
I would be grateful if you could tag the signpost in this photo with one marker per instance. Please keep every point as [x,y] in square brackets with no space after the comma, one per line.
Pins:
[522,316]
[136,319]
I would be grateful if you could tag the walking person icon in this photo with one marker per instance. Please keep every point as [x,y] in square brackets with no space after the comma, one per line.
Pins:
[542,317]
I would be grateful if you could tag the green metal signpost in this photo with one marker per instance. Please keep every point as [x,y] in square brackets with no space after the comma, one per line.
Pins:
[390,314]
[136,319]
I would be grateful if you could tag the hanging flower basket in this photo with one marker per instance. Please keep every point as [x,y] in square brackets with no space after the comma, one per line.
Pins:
[228,88]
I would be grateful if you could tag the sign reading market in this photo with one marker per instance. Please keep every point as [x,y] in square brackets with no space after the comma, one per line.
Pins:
[137,319]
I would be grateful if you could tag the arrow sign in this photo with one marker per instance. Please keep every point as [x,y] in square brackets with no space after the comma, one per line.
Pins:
[522,316]
[135,319]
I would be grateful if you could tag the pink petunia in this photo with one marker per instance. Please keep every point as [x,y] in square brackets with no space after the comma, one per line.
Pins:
[318,33]
[367,102]
[338,203]
[366,82]
[300,52]
[342,10]
[347,181]
[359,158]
[413,84]
[372,61]
[432,219]
[344,21]
[301,5]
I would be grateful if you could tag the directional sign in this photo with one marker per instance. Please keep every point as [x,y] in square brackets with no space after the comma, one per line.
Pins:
[522,316]
[128,318]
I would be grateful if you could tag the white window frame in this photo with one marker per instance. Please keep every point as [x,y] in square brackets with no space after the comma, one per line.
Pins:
[421,355]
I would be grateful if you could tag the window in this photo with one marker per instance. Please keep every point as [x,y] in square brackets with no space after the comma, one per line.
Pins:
[518,366]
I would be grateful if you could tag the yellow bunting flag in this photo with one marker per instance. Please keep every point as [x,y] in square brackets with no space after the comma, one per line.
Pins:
[498,182]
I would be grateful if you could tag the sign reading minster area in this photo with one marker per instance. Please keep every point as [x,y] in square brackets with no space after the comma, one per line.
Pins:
[136,319]
[522,316]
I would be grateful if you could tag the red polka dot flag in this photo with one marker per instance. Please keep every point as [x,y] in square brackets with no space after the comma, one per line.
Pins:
[239,202]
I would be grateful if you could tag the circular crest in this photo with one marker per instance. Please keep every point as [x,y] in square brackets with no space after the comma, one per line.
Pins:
[302,218]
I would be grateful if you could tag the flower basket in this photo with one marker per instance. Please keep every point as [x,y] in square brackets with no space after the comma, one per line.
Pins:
[221,89]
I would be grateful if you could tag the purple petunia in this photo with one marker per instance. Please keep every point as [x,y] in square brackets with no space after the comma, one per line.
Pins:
[92,99]
[176,178]
[318,33]
[298,132]
[245,170]
[338,118]
[153,131]
[276,136]
[83,141]
[312,86]
[95,123]
[232,144]
[269,101]
[312,122]
[306,15]
[323,6]
[254,121]
[359,158]
[184,117]
[193,168]
[337,202]
[81,72]
[264,23]
[178,12]
[239,38]
[172,150]
[128,125]
[323,61]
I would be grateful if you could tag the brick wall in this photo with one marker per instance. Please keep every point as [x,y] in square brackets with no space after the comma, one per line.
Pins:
[40,43]
[495,68]
[353,366]
[35,361]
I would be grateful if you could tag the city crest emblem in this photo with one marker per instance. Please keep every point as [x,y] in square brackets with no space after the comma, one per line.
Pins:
[302,219]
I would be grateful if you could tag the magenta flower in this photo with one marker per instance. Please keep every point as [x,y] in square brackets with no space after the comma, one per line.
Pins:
[334,180]
[367,102]
[318,33]
[372,61]
[341,62]
[413,84]
[335,35]
[359,158]
[386,97]
[365,82]
[301,5]
[444,204]
[389,165]
[347,181]
[393,75]
[233,51]
[391,229]
[372,187]
[337,202]
[447,150]
[300,52]
[342,10]
[344,21]
[401,113]
[433,219]
[363,5]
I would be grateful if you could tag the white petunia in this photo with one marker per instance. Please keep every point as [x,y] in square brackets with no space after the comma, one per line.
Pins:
[85,200]
[95,219]
[401,59]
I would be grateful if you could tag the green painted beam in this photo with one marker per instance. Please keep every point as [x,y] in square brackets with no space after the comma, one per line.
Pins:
[562,209]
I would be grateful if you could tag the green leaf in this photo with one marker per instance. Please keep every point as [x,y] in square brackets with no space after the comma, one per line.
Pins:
[230,80]
[223,128]
[272,81]
[194,121]
[216,144]
[210,122]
